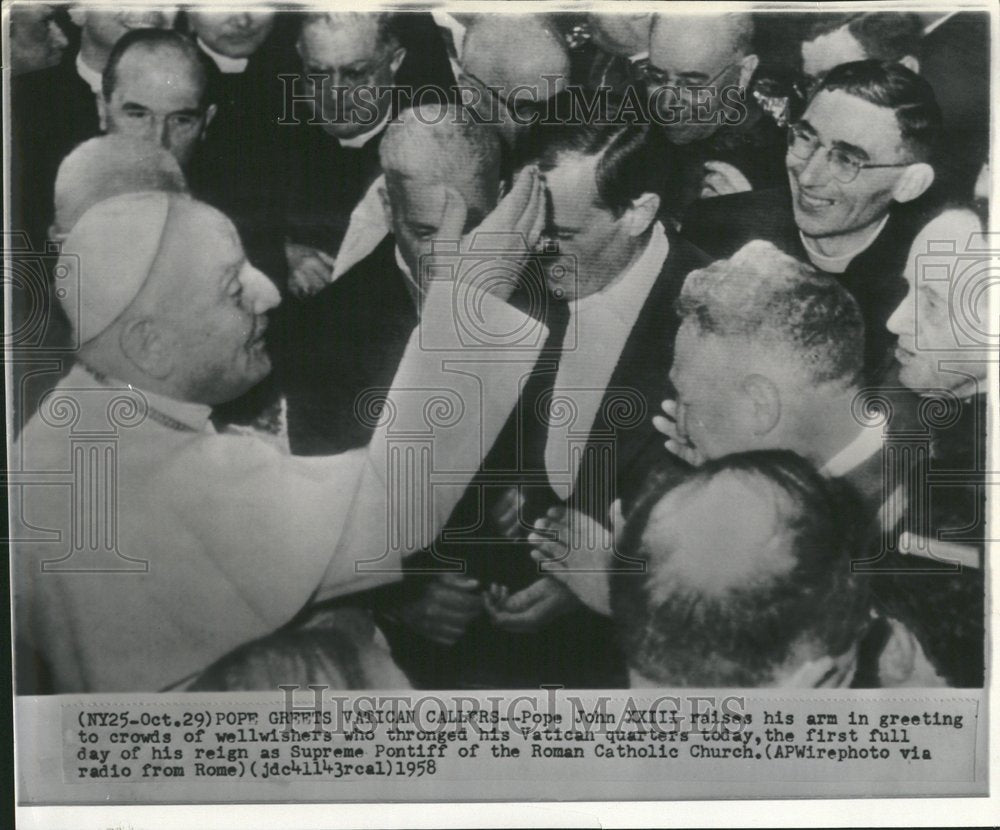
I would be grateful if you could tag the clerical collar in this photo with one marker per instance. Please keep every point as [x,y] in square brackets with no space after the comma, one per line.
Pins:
[90,76]
[226,64]
[181,416]
[457,30]
[838,264]
[354,142]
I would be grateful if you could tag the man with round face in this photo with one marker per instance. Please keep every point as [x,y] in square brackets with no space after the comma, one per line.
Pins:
[100,30]
[156,88]
[231,35]
[36,39]
[857,163]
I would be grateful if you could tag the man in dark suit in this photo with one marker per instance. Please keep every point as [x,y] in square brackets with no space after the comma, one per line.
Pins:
[333,126]
[233,168]
[54,109]
[699,79]
[857,162]
[340,349]
[768,356]
[605,284]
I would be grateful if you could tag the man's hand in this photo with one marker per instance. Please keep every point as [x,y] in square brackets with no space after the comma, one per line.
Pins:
[511,230]
[530,609]
[309,269]
[448,604]
[577,550]
[676,443]
[722,179]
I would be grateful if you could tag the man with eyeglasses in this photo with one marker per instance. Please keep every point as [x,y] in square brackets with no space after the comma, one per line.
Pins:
[698,79]
[858,163]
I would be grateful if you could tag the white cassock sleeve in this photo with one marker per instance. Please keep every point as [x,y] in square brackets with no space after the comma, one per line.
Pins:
[456,385]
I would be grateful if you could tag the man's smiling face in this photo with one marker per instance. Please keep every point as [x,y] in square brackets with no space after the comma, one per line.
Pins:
[825,206]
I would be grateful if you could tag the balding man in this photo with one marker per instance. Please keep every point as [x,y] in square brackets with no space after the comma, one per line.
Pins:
[516,63]
[212,539]
[158,85]
[54,109]
[698,78]
[350,336]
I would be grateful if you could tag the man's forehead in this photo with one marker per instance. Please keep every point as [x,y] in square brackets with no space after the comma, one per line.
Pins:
[165,70]
[697,44]
[572,184]
[348,40]
[830,50]
[837,115]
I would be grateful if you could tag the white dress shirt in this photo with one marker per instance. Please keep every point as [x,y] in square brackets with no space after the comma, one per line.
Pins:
[599,326]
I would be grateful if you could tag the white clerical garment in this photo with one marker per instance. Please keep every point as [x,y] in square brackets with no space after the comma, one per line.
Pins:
[147,545]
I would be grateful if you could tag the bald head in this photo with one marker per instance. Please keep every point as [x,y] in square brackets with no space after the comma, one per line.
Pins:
[747,575]
[436,145]
[620,34]
[516,51]
[108,166]
[699,57]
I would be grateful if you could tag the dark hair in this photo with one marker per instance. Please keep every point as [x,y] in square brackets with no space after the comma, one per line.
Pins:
[152,40]
[891,85]
[635,158]
[885,36]
[690,638]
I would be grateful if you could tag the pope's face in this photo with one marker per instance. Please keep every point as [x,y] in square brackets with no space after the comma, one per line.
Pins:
[233,35]
[217,328]
[158,97]
[825,206]
[941,322]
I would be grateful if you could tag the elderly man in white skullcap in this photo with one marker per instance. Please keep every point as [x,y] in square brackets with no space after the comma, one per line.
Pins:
[170,544]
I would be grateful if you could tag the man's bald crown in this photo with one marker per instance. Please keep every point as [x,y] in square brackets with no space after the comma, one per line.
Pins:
[511,51]
[734,29]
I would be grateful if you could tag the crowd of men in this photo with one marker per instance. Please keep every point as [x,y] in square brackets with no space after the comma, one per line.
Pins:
[720,419]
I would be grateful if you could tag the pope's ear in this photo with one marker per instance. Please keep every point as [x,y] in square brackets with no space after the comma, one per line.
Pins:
[765,400]
[144,344]
[383,197]
[914,182]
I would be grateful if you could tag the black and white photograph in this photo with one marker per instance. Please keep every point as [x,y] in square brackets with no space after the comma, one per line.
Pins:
[499,402]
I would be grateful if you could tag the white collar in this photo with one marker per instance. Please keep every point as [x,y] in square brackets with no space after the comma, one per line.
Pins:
[864,445]
[838,264]
[636,279]
[195,416]
[601,325]
[90,76]
[226,64]
[360,140]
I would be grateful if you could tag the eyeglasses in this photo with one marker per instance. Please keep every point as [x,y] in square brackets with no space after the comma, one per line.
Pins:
[803,144]
[653,75]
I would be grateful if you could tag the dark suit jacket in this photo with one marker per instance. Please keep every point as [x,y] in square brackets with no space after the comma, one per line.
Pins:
[723,225]
[579,648]
[235,169]
[52,110]
[330,349]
